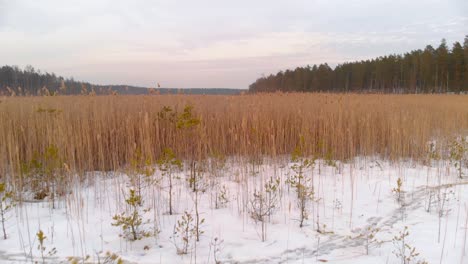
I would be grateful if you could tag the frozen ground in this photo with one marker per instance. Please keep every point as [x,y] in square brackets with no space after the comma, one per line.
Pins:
[348,200]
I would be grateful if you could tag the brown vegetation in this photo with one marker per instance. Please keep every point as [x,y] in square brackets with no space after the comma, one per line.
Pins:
[104,132]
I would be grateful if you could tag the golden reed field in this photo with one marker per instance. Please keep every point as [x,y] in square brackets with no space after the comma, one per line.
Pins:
[104,132]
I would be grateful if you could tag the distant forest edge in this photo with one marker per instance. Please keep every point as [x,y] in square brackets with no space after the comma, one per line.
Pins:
[432,70]
[30,82]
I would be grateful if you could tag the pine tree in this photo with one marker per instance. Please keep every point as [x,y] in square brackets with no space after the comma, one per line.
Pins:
[465,52]
[458,66]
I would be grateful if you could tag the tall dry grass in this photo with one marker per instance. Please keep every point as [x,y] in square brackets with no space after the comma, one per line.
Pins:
[104,132]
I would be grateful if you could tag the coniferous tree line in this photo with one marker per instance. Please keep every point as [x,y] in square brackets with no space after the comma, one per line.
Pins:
[15,81]
[31,82]
[432,70]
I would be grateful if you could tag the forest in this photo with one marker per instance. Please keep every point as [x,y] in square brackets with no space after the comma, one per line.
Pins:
[29,81]
[432,70]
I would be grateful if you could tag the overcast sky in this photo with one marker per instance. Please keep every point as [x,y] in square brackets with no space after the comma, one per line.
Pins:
[214,43]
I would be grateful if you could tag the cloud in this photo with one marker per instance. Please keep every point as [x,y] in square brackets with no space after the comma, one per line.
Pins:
[210,43]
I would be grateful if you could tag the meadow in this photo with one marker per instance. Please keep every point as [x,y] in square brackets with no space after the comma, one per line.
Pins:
[300,177]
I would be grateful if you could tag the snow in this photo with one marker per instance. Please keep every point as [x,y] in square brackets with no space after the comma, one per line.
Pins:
[349,198]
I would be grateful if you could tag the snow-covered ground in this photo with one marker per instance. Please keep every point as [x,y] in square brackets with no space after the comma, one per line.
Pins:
[351,202]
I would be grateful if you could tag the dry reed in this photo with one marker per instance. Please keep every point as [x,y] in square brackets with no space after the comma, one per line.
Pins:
[104,132]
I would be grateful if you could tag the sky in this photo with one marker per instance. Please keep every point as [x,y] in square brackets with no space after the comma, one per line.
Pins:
[214,43]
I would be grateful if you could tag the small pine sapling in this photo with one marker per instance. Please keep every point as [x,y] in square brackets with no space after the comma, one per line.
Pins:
[432,153]
[141,171]
[272,191]
[74,260]
[404,251]
[42,248]
[46,174]
[398,191]
[219,195]
[54,171]
[299,167]
[168,163]
[41,238]
[167,115]
[297,180]
[369,235]
[259,210]
[305,194]
[222,197]
[458,154]
[217,245]
[187,122]
[196,178]
[329,161]
[199,187]
[132,220]
[108,258]
[112,258]
[6,204]
[264,203]
[184,232]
